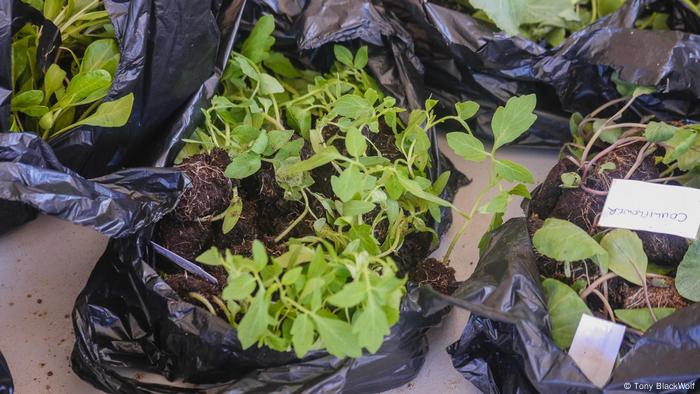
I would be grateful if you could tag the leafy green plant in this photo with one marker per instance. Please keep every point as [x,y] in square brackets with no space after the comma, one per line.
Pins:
[554,20]
[337,288]
[618,253]
[71,91]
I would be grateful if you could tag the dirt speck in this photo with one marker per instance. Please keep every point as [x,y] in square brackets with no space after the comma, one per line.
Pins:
[50,373]
[39,300]
[29,296]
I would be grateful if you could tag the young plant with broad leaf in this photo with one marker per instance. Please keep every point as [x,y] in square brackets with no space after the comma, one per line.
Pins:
[68,91]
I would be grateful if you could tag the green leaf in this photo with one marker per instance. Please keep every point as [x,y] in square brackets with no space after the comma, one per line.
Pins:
[231,215]
[371,326]
[276,140]
[29,102]
[343,55]
[111,113]
[361,57]
[440,183]
[609,135]
[52,8]
[565,310]
[520,190]
[337,337]
[414,188]
[565,241]
[466,146]
[257,46]
[101,54]
[466,109]
[53,80]
[570,180]
[243,165]
[270,84]
[281,65]
[348,184]
[641,318]
[357,207]
[513,172]
[86,88]
[511,121]
[321,158]
[625,252]
[659,131]
[498,204]
[240,287]
[259,255]
[303,334]
[290,277]
[688,274]
[299,119]
[350,295]
[355,142]
[352,106]
[254,323]
[210,257]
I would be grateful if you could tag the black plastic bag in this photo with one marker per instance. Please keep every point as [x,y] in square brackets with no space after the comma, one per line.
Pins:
[119,204]
[466,59]
[6,385]
[127,316]
[506,346]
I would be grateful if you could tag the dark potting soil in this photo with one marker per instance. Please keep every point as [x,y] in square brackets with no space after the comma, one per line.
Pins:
[433,272]
[583,209]
[210,190]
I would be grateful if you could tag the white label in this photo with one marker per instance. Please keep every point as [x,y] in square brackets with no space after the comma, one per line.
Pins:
[645,206]
[595,347]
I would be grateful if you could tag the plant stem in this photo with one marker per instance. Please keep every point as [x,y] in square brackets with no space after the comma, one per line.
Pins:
[197,296]
[606,304]
[600,130]
[297,220]
[601,279]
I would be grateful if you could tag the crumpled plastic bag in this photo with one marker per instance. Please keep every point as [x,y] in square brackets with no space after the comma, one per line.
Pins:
[6,385]
[119,204]
[168,50]
[506,346]
[466,59]
[127,316]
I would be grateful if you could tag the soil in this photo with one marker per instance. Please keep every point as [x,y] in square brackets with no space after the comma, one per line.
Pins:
[436,274]
[583,209]
[210,190]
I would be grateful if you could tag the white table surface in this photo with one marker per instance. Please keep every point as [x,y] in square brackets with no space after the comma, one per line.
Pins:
[45,264]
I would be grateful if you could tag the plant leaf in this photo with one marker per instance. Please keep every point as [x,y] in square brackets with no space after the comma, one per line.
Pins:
[270,84]
[254,323]
[337,337]
[641,318]
[371,326]
[303,334]
[625,252]
[414,188]
[101,54]
[511,121]
[688,273]
[86,88]
[243,165]
[239,287]
[257,46]
[343,55]
[355,142]
[361,57]
[466,109]
[352,106]
[564,241]
[111,113]
[350,295]
[659,131]
[466,146]
[348,184]
[513,172]
[565,310]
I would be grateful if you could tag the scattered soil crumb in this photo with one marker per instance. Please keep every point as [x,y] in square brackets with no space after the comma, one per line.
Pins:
[39,301]
[138,376]
[11,304]
[66,316]
[29,296]
[42,365]
[50,373]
